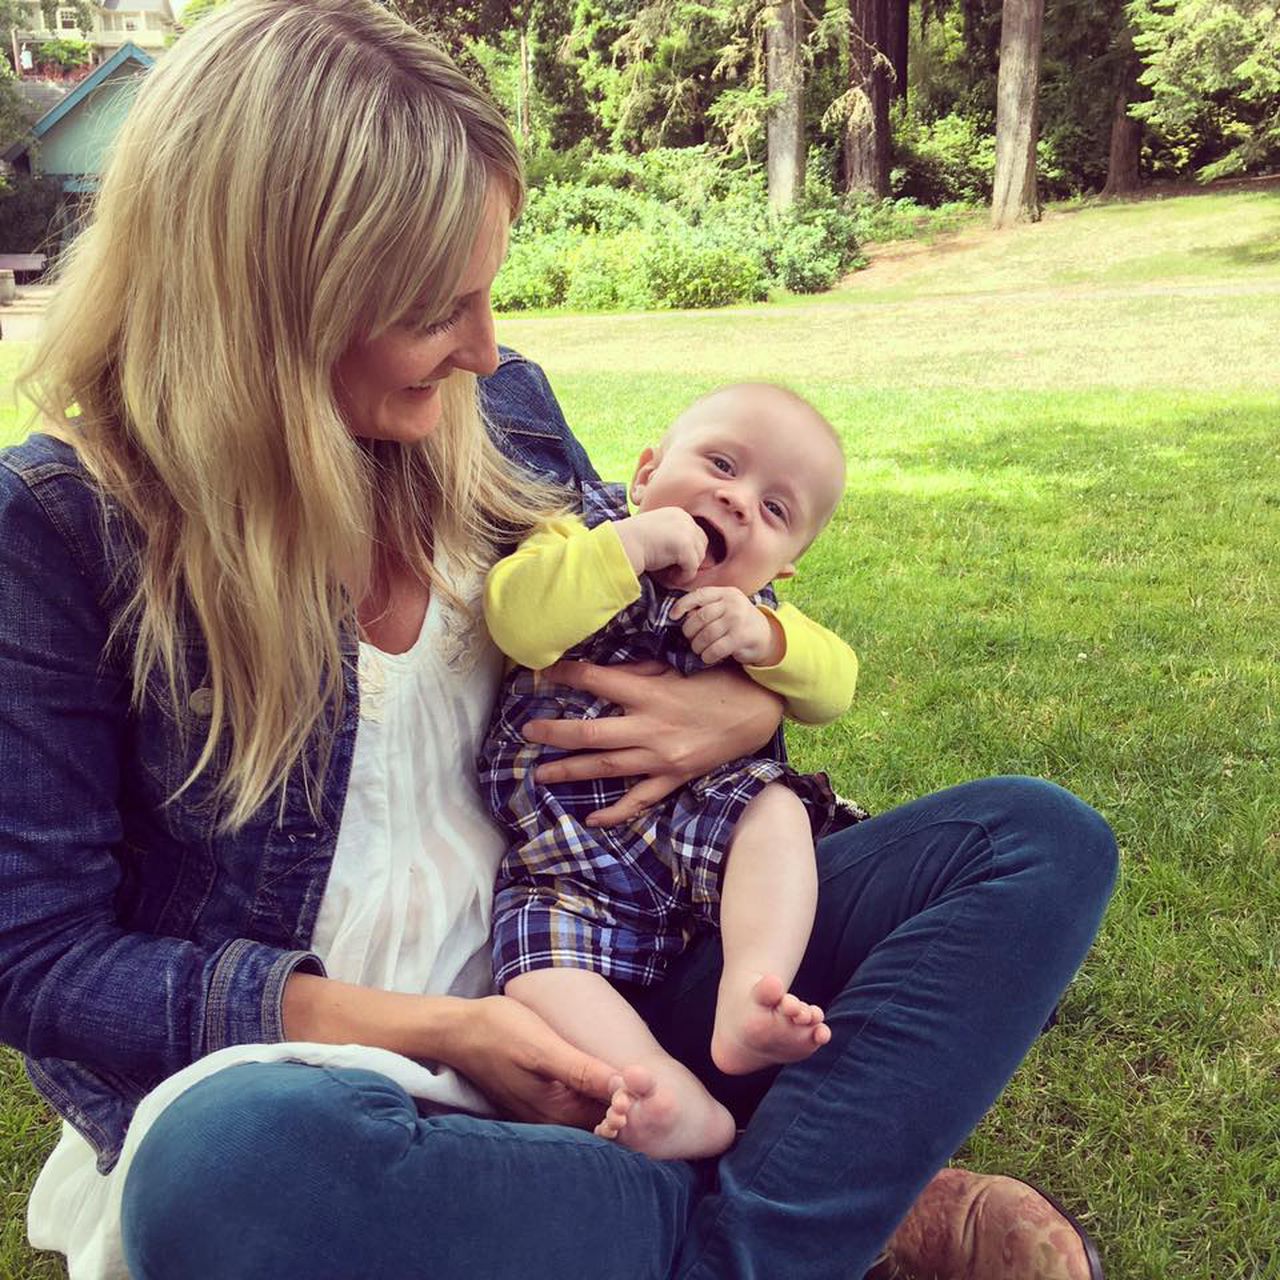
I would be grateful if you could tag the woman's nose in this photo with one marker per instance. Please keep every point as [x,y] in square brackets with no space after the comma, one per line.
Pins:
[477,349]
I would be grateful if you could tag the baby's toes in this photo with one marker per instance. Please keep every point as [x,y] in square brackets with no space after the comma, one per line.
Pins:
[790,1006]
[821,1034]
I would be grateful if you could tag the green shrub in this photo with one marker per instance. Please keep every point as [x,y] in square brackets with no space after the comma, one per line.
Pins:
[606,273]
[27,209]
[952,158]
[67,55]
[803,260]
[535,274]
[560,207]
[903,219]
[697,271]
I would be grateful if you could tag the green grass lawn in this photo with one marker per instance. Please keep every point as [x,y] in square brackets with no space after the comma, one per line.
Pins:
[1056,556]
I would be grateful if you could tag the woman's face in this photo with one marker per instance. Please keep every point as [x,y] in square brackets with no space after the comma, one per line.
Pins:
[389,387]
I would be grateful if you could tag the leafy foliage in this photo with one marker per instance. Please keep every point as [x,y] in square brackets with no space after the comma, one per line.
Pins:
[1213,70]
[27,207]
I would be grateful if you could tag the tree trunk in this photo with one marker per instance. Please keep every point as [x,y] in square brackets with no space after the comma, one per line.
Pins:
[784,75]
[899,20]
[522,109]
[1126,147]
[1126,133]
[866,139]
[1014,197]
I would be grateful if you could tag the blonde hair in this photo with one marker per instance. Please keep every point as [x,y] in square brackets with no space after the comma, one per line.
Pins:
[292,177]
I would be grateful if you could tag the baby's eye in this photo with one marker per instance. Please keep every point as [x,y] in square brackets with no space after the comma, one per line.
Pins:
[775,508]
[722,464]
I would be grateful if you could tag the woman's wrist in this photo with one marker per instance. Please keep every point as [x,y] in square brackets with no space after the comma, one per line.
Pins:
[325,1011]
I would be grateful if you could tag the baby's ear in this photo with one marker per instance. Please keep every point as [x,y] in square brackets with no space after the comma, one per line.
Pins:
[787,571]
[645,468]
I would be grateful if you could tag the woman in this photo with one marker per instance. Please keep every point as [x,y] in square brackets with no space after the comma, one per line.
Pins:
[244,872]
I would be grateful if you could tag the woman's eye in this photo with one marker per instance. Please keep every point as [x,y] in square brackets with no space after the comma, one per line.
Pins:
[438,326]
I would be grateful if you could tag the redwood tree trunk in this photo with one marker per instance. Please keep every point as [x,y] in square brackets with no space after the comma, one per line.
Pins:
[783,74]
[899,20]
[1014,198]
[1126,133]
[1126,147]
[866,139]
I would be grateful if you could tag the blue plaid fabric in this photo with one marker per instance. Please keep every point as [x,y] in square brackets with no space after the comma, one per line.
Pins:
[623,900]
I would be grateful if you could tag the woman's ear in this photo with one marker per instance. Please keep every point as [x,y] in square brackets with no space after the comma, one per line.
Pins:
[645,468]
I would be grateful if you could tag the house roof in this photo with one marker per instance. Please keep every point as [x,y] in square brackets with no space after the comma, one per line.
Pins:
[125,53]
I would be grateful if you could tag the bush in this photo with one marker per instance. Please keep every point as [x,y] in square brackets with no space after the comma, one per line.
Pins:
[559,207]
[535,274]
[803,260]
[27,209]
[699,272]
[952,158]
[904,219]
[606,273]
[65,55]
[673,228]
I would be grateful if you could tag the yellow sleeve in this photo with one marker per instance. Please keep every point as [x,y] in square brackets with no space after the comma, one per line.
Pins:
[817,673]
[562,584]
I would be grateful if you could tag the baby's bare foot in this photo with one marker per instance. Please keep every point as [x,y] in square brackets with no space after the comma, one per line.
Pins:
[767,1025]
[669,1119]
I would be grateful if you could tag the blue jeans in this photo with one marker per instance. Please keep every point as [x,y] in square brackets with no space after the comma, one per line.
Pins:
[946,930]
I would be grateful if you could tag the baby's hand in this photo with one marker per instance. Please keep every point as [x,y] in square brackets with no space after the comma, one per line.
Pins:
[664,538]
[720,623]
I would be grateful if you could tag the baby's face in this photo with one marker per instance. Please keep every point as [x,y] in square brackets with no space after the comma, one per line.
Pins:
[757,471]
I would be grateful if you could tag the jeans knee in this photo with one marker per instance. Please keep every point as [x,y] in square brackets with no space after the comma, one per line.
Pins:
[222,1153]
[1070,841]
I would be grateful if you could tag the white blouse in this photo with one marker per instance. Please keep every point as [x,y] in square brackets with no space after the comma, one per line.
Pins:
[406,907]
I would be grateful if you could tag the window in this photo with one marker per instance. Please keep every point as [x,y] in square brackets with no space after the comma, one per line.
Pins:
[67,20]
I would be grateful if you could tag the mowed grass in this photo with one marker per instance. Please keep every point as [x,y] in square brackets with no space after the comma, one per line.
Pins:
[1056,556]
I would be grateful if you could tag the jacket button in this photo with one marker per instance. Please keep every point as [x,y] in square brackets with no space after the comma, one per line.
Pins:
[200,702]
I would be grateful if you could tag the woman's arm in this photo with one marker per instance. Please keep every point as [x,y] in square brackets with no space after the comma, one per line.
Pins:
[506,1050]
[671,729]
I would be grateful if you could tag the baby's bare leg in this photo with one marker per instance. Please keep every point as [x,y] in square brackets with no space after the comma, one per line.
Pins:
[767,901]
[659,1106]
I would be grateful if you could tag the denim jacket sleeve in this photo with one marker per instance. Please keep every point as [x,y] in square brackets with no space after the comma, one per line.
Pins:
[75,982]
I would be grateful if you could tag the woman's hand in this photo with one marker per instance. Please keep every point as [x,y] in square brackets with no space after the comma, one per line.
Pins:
[672,729]
[523,1067]
[510,1054]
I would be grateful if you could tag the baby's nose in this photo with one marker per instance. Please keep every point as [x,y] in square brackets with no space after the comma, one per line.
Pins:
[731,498]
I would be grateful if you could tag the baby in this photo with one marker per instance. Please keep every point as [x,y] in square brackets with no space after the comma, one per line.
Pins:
[726,503]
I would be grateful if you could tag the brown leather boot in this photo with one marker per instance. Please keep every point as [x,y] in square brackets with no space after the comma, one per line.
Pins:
[975,1226]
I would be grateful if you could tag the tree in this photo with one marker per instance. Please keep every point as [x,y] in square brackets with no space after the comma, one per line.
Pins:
[1125,152]
[866,139]
[197,9]
[1213,71]
[785,82]
[1014,197]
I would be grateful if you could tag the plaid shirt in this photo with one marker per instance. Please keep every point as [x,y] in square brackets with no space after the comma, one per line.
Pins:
[622,900]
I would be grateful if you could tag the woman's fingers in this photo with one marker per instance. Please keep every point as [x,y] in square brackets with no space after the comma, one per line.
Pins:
[597,764]
[625,685]
[644,795]
[609,733]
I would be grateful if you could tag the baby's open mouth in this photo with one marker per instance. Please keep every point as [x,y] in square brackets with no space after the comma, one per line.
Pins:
[717,548]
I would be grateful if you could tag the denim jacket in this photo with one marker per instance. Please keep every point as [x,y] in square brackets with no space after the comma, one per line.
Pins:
[134,937]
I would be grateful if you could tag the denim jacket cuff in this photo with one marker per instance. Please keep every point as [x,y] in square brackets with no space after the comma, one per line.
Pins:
[247,992]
